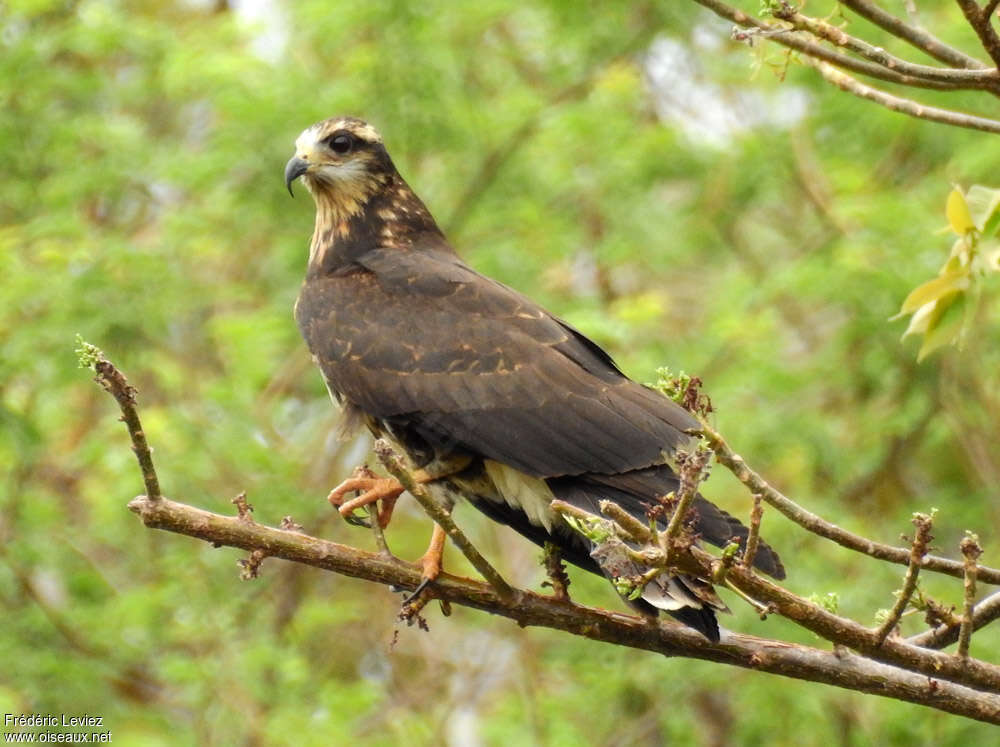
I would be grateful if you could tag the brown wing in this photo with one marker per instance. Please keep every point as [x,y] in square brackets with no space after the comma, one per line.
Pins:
[419,338]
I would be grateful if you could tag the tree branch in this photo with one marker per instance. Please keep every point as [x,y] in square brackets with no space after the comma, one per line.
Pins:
[955,684]
[981,24]
[887,68]
[917,37]
[845,82]
[986,612]
[808,520]
[114,383]
[832,627]
[971,552]
[921,539]
[790,39]
[963,77]
[530,609]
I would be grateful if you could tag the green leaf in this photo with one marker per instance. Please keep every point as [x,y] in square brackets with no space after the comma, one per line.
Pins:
[87,355]
[992,225]
[946,328]
[957,210]
[596,530]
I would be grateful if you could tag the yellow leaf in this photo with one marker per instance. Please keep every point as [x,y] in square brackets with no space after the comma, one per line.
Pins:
[932,290]
[928,315]
[957,210]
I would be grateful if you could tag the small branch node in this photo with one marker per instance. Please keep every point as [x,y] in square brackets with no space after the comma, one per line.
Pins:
[251,565]
[411,609]
[244,508]
[728,561]
[290,525]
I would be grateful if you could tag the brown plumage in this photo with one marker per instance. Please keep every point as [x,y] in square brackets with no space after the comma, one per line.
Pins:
[496,399]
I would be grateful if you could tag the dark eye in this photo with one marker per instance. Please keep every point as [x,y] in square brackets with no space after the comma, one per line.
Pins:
[341,143]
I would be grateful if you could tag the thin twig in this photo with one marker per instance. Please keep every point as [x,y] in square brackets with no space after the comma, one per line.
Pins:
[810,521]
[556,571]
[391,461]
[964,77]
[971,552]
[913,35]
[374,519]
[921,540]
[691,473]
[983,27]
[845,82]
[115,383]
[634,529]
[792,40]
[377,531]
[753,535]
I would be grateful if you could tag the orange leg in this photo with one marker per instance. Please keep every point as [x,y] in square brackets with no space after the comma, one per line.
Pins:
[430,563]
[431,560]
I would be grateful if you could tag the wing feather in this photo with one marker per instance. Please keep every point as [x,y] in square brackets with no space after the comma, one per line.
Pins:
[470,363]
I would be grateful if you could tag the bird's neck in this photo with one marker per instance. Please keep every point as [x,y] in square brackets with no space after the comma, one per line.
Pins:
[353,221]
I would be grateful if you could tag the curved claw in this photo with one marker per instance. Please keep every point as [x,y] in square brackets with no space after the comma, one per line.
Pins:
[358,521]
[424,583]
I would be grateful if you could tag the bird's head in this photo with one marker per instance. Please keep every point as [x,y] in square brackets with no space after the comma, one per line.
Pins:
[341,160]
[361,200]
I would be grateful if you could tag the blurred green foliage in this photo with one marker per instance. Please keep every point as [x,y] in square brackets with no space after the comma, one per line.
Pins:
[143,208]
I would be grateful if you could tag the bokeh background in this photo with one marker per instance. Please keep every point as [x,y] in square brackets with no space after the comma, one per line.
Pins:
[684,200]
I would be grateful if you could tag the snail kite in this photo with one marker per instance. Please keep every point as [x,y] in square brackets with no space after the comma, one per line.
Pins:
[492,397]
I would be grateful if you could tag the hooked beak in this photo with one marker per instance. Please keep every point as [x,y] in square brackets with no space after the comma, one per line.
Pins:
[295,168]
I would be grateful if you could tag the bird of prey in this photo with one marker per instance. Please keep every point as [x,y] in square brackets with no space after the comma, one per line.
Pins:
[492,398]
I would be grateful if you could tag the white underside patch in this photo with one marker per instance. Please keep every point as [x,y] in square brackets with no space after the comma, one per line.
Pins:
[528,494]
[666,593]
